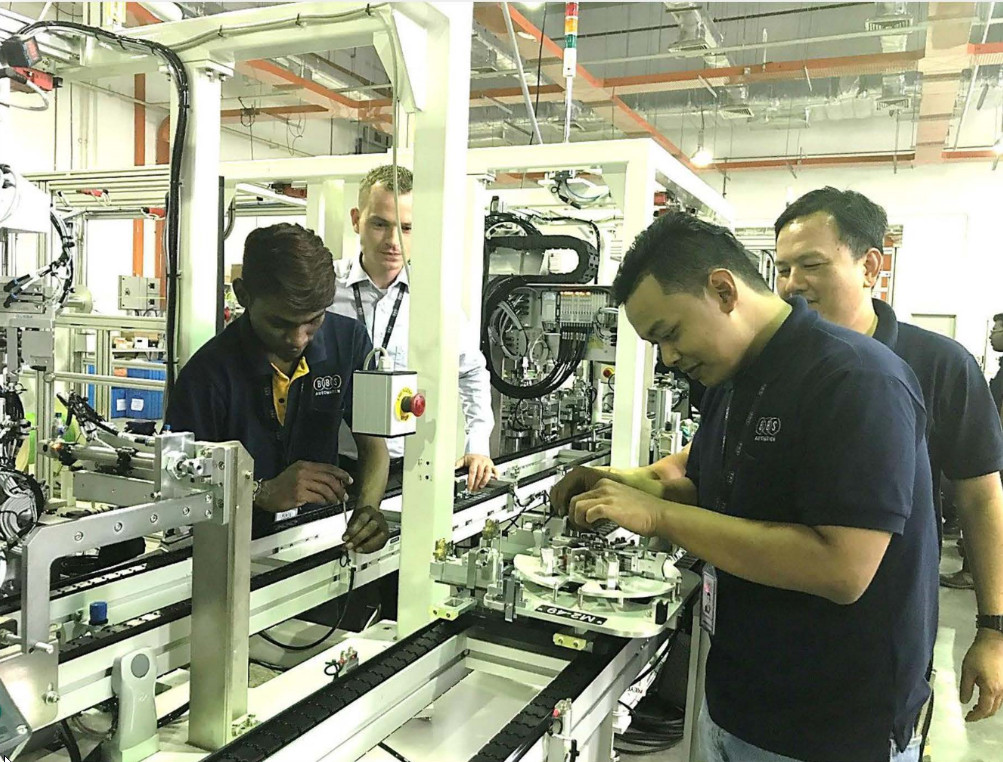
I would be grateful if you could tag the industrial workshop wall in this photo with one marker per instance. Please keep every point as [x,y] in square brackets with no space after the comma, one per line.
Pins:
[949,262]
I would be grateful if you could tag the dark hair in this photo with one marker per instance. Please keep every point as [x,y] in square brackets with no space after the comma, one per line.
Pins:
[291,263]
[861,223]
[998,316]
[681,251]
[403,181]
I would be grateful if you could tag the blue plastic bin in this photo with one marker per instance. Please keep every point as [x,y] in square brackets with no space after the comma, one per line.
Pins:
[145,404]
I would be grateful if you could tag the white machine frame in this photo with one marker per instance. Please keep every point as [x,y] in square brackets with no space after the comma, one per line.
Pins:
[434,48]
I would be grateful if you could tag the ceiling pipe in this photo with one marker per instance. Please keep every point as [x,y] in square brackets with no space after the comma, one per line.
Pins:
[522,77]
[918,27]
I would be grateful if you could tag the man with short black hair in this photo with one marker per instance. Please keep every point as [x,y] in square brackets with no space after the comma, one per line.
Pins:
[829,251]
[279,380]
[815,507]
[996,342]
[373,287]
[830,245]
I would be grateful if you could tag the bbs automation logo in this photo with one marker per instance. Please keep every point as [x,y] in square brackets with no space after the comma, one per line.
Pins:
[767,429]
[325,385]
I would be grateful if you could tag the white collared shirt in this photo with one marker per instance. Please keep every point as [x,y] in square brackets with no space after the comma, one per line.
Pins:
[377,307]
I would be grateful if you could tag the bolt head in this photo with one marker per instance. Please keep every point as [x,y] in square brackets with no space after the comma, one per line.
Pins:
[208,513]
[22,730]
[51,697]
[208,499]
[154,518]
[78,536]
[119,526]
[186,510]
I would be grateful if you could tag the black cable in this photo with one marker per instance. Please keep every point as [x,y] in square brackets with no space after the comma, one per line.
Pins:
[393,753]
[530,504]
[306,647]
[658,661]
[179,76]
[70,742]
[588,223]
[268,665]
[646,752]
[174,715]
[94,755]
[539,65]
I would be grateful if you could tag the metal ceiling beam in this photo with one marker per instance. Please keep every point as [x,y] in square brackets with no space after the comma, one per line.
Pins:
[588,88]
[774,71]
[334,104]
[845,161]
[694,79]
[306,110]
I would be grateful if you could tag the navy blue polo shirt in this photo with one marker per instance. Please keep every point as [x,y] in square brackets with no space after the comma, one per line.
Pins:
[833,431]
[224,392]
[996,388]
[963,431]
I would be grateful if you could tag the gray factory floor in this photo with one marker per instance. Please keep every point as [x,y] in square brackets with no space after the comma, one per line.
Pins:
[951,739]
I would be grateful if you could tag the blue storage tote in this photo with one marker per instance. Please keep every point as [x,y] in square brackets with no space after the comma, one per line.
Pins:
[119,403]
[145,404]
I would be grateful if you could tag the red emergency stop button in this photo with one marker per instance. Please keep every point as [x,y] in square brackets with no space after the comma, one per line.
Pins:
[414,405]
[607,372]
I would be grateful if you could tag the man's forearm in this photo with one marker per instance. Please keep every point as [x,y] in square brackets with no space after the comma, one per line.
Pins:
[672,466]
[648,479]
[374,466]
[785,556]
[980,509]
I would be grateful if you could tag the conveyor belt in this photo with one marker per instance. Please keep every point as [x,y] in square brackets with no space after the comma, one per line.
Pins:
[112,634]
[527,727]
[266,739]
[11,603]
[508,744]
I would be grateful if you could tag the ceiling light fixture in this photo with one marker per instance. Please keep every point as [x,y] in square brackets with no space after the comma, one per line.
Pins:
[524,35]
[531,6]
[702,157]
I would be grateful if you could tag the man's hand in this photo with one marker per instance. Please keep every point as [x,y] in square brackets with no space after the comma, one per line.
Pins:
[480,470]
[577,481]
[301,484]
[983,666]
[367,531]
[631,508]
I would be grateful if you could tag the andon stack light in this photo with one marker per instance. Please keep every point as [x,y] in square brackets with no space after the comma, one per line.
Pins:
[570,61]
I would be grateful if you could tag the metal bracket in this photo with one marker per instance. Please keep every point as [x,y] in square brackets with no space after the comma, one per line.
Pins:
[451,608]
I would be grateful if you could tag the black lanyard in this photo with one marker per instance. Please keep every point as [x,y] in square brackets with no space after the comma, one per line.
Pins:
[730,462]
[393,315]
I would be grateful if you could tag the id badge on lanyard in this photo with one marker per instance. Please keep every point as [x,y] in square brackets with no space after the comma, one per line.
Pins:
[708,597]
[708,600]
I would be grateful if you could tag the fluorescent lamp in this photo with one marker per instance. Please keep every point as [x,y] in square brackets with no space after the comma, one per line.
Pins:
[702,158]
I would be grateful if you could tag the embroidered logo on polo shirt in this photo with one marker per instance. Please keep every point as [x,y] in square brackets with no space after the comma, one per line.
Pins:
[767,429]
[325,385]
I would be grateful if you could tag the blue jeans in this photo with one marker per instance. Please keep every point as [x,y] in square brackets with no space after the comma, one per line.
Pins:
[718,745]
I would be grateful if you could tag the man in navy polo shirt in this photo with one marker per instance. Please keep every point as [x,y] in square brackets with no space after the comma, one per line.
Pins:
[829,251]
[808,488]
[279,380]
[996,341]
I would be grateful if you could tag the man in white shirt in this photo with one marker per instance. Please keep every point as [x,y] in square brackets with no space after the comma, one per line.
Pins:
[373,288]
